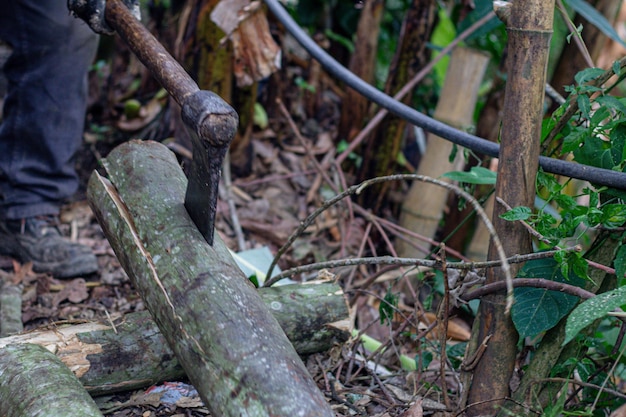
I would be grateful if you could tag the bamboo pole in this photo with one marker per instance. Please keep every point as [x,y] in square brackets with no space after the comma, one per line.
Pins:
[425,203]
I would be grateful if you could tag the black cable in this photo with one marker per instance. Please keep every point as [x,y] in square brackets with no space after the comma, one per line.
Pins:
[598,176]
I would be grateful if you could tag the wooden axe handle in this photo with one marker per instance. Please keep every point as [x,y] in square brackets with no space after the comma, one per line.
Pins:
[163,67]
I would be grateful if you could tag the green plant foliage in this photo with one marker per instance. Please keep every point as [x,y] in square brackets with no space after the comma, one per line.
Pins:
[442,35]
[476,175]
[595,18]
[593,309]
[387,307]
[537,310]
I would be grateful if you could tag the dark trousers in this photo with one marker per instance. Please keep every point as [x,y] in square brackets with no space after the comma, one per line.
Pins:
[44,108]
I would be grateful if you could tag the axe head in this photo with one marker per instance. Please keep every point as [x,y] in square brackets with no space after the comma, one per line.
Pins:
[212,124]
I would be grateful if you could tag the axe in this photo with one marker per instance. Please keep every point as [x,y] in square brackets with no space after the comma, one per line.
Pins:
[211,121]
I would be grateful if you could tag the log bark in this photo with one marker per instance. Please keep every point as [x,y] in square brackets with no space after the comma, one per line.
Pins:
[34,382]
[229,344]
[131,353]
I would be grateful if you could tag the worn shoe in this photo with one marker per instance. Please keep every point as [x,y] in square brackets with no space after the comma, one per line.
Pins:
[38,240]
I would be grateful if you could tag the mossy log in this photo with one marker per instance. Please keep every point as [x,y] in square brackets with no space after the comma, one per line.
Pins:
[130,353]
[227,341]
[34,382]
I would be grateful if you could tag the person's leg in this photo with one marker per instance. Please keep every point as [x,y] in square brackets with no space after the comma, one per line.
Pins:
[42,127]
[45,105]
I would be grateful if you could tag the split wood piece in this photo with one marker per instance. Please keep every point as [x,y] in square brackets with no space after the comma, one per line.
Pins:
[131,353]
[227,341]
[425,203]
[34,382]
[10,306]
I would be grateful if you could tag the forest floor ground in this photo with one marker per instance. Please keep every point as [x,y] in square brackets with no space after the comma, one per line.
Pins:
[283,186]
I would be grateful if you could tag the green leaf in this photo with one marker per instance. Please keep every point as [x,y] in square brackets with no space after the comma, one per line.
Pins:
[259,117]
[595,18]
[584,104]
[616,68]
[537,310]
[387,307]
[517,213]
[476,175]
[613,215]
[595,152]
[347,43]
[588,74]
[442,35]
[590,310]
[611,102]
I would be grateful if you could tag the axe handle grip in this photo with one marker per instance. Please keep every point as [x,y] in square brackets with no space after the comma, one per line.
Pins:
[163,67]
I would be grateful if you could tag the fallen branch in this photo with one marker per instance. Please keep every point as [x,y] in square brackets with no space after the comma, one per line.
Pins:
[130,353]
[229,344]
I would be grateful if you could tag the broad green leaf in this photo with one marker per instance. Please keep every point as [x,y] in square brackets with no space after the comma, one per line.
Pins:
[517,213]
[595,18]
[593,309]
[537,310]
[476,175]
[595,152]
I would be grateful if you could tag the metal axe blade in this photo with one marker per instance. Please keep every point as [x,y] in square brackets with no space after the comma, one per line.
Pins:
[211,122]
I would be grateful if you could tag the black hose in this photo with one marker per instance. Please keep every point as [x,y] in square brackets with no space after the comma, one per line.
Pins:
[598,176]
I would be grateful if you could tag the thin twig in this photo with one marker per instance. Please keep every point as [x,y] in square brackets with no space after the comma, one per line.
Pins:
[443,327]
[529,282]
[428,263]
[356,189]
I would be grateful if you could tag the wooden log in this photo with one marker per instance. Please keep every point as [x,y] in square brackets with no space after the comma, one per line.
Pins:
[131,353]
[229,344]
[34,382]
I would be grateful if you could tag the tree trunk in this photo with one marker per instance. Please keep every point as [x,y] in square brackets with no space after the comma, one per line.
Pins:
[385,143]
[34,382]
[363,65]
[131,353]
[530,29]
[227,341]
